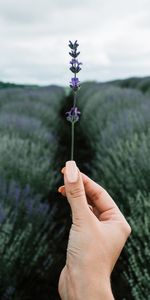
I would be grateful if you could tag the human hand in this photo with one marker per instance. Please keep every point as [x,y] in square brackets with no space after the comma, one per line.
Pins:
[96,239]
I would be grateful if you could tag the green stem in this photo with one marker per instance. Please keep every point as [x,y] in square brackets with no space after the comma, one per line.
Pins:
[72,128]
[75,99]
[72,140]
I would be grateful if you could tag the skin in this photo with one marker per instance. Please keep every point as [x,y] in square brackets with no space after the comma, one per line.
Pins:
[97,236]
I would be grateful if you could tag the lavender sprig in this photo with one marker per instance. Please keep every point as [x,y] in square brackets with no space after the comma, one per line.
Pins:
[73,115]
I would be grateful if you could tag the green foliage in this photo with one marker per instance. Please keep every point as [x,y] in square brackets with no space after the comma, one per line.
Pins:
[143,84]
[5,85]
[26,245]
[137,256]
[26,161]
[28,122]
[117,125]
[29,227]
[112,145]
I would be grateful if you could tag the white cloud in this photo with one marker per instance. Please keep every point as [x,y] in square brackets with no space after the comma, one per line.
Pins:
[113,36]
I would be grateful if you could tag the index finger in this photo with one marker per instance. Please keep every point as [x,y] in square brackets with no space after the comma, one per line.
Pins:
[98,196]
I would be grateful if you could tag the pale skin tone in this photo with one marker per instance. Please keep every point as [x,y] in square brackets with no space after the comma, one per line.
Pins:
[97,237]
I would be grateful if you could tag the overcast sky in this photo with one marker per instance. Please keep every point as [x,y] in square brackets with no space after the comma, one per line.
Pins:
[114,38]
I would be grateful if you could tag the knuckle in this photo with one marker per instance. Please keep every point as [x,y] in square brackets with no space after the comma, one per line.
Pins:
[76,192]
[129,229]
[97,193]
[126,228]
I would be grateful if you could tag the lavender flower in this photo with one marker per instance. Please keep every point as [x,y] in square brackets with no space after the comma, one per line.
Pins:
[75,83]
[73,115]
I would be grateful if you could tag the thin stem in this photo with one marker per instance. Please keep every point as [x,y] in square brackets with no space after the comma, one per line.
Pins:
[72,140]
[72,124]
[72,128]
[75,99]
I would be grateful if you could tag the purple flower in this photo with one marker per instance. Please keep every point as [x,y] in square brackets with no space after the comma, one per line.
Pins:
[73,45]
[73,115]
[75,62]
[74,54]
[75,83]
[75,66]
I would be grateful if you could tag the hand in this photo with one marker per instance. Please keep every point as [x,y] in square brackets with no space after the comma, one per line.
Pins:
[97,236]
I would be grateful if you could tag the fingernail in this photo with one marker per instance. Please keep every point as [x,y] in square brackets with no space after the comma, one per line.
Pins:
[62,170]
[71,171]
[59,189]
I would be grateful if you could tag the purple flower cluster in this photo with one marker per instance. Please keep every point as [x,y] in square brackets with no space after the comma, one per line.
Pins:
[73,115]
[75,65]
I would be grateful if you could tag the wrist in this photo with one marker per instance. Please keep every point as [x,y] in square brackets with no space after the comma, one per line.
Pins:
[92,288]
[101,292]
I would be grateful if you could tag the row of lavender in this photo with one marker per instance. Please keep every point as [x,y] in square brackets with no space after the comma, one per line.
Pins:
[115,123]
[142,84]
[111,144]
[28,221]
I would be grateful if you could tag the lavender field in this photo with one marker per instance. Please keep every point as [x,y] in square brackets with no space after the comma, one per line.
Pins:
[112,146]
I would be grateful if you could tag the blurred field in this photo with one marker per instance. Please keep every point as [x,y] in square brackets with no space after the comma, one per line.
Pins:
[112,146]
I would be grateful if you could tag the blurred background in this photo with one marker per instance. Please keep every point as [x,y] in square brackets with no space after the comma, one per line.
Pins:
[113,37]
[112,137]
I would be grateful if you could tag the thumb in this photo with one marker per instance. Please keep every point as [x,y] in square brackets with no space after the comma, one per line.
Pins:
[75,191]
